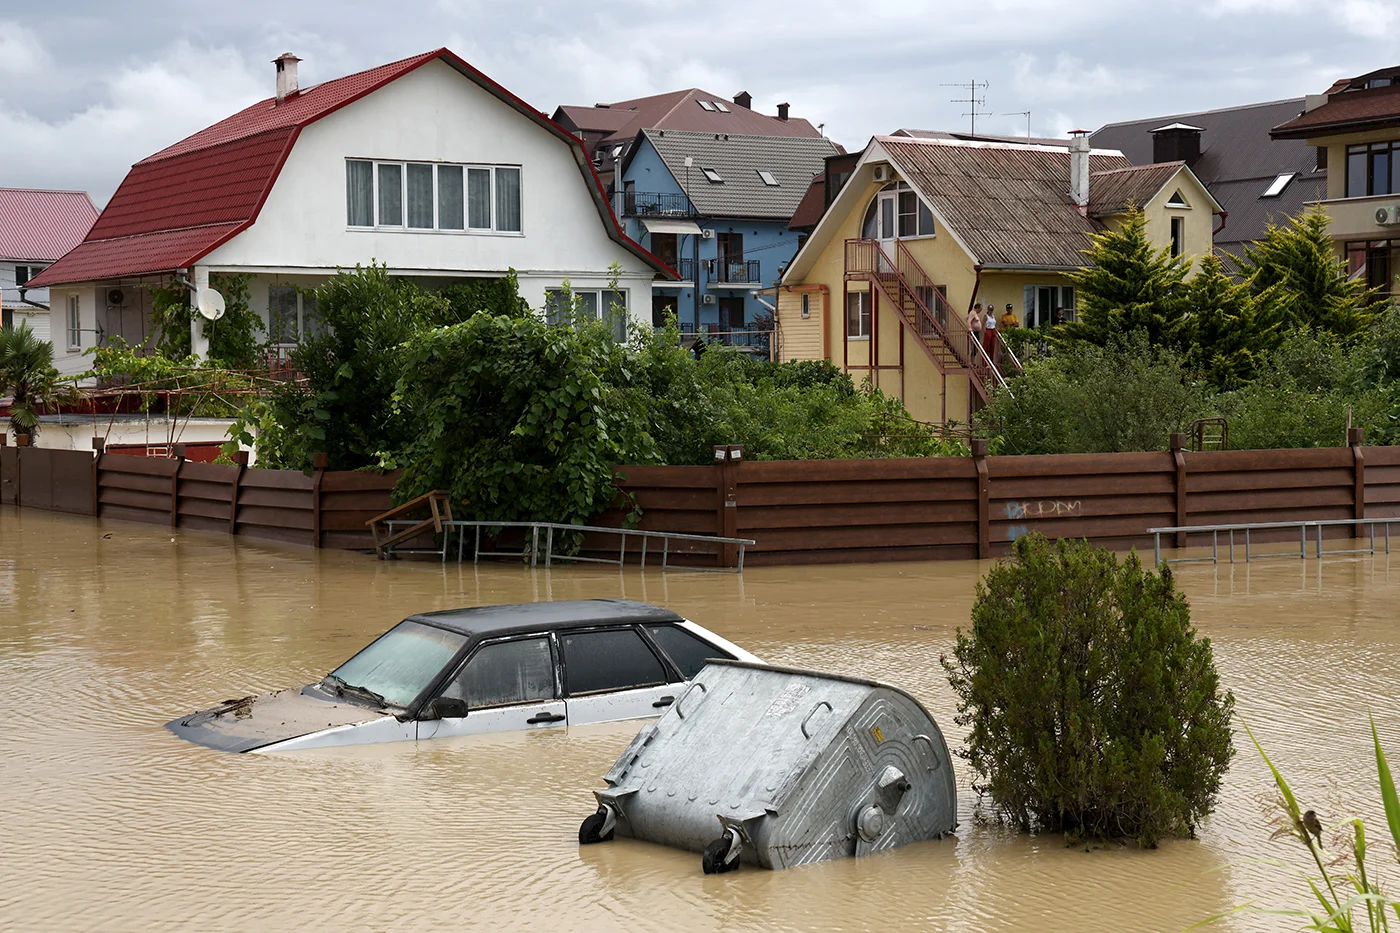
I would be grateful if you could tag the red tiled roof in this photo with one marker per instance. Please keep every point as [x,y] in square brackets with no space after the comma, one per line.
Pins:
[43,225]
[811,207]
[1344,111]
[177,205]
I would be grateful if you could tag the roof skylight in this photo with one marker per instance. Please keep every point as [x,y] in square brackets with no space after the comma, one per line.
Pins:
[712,176]
[768,178]
[719,105]
[1276,187]
[706,105]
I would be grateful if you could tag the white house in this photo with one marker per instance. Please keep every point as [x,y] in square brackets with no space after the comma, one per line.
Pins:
[425,165]
[36,227]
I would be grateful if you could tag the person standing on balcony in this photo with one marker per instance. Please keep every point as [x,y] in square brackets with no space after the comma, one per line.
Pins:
[974,329]
[1008,321]
[989,333]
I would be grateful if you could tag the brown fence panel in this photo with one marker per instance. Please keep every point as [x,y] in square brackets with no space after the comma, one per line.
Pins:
[1110,498]
[276,505]
[1382,466]
[1239,486]
[205,492]
[52,479]
[347,499]
[135,489]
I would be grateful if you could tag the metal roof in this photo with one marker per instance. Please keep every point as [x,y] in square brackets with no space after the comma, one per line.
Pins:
[1121,189]
[681,111]
[1347,110]
[185,200]
[1238,161]
[738,160]
[533,617]
[43,225]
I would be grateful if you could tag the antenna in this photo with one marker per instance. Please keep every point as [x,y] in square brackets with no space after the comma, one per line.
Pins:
[1022,113]
[972,87]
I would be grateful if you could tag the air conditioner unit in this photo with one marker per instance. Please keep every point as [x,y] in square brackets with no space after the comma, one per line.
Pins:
[707,299]
[1388,216]
[707,234]
[881,172]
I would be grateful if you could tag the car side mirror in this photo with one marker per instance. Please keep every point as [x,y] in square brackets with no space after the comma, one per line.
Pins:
[444,708]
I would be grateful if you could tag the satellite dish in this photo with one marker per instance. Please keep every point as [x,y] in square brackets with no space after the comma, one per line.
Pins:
[211,304]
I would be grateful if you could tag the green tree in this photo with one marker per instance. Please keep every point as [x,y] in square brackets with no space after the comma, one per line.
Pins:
[1128,285]
[1296,265]
[28,375]
[1093,708]
[1228,327]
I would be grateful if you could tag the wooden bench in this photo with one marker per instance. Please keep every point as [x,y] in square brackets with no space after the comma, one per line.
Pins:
[439,506]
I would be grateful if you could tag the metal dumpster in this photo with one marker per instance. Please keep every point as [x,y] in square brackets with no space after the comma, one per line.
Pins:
[779,767]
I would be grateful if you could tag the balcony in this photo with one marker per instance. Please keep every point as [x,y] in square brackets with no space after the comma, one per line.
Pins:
[656,204]
[743,272]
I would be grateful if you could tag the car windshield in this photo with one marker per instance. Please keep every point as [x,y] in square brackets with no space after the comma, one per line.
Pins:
[401,662]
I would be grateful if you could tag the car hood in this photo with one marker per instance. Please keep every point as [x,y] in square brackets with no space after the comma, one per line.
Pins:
[251,722]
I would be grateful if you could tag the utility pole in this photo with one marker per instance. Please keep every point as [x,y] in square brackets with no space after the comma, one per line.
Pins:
[1022,113]
[972,87]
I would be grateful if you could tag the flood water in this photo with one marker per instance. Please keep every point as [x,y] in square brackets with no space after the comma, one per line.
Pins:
[108,822]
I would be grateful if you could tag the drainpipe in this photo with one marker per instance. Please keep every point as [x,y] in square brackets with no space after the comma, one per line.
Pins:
[977,284]
[1224,216]
[199,344]
[32,304]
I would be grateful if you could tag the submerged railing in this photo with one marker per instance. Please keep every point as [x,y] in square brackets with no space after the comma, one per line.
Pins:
[1302,526]
[547,555]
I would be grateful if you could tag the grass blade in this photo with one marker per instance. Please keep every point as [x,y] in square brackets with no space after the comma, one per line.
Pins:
[1392,803]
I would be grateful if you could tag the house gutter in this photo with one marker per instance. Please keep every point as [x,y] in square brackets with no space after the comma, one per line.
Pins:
[1224,216]
[32,304]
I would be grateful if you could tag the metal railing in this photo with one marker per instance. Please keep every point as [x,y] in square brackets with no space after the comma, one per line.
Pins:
[743,272]
[1215,530]
[532,546]
[656,204]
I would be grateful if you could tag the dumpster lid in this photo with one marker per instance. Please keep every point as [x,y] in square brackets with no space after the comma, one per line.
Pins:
[823,675]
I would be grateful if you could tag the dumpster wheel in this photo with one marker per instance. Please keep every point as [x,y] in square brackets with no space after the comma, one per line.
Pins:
[722,854]
[597,827]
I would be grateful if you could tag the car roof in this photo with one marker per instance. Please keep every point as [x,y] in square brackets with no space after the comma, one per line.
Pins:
[489,621]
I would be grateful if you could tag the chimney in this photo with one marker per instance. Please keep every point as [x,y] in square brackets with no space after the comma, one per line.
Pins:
[1079,169]
[1176,142]
[286,75]
[744,99]
[783,111]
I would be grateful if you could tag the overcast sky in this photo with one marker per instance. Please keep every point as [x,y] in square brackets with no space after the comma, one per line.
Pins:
[89,86]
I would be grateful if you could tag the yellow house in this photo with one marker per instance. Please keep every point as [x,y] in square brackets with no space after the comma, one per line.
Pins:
[1356,127]
[926,227]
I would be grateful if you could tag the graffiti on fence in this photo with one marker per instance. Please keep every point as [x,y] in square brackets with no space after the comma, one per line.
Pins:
[1042,508]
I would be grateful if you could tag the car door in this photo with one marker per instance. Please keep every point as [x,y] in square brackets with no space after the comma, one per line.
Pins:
[507,684]
[612,674]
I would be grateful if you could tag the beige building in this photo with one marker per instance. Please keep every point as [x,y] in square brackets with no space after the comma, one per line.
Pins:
[928,226]
[1356,127]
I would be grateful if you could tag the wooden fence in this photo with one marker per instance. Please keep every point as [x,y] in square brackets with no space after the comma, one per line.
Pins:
[799,512]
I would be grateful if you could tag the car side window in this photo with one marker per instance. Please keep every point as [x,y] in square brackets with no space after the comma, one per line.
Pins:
[687,651]
[519,671]
[609,660]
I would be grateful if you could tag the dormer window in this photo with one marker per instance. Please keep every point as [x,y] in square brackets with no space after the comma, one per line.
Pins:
[712,176]
[1278,184]
[768,178]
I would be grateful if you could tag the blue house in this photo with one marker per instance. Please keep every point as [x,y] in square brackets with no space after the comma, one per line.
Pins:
[716,207]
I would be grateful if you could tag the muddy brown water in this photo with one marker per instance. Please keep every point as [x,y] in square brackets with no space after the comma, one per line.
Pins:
[108,822]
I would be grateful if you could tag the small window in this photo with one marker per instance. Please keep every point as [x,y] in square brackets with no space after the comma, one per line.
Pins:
[1322,158]
[1178,237]
[420,196]
[613,660]
[712,176]
[908,214]
[706,105]
[75,322]
[768,178]
[508,200]
[23,274]
[479,198]
[806,306]
[617,151]
[614,308]
[719,105]
[282,314]
[506,673]
[390,194]
[359,193]
[858,315]
[451,197]
[686,651]
[1278,184]
[1178,201]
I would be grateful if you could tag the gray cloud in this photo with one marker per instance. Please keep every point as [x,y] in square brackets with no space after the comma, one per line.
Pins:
[87,87]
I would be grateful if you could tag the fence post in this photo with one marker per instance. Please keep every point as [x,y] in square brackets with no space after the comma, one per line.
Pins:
[1178,446]
[1355,438]
[99,450]
[319,462]
[727,460]
[984,496]
[240,459]
[175,486]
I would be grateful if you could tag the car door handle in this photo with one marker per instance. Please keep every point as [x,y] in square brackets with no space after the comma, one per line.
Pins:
[545,717]
[664,701]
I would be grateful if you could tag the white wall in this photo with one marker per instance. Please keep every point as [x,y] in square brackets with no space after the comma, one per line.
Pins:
[435,114]
[66,360]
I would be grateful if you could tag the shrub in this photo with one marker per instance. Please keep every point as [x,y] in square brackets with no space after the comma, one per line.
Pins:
[1093,707]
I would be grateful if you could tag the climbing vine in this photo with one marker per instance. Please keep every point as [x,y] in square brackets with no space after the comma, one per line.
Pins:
[233,338]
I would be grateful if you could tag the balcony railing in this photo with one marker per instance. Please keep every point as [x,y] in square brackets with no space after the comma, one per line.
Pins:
[656,204]
[735,273]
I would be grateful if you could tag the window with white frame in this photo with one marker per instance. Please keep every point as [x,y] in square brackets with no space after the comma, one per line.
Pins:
[75,322]
[563,305]
[858,315]
[291,315]
[423,196]
[1178,237]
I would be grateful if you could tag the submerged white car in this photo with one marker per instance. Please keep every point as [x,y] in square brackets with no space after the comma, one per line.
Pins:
[484,669]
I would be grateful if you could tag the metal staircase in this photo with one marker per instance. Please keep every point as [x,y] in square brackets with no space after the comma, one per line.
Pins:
[925,311]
